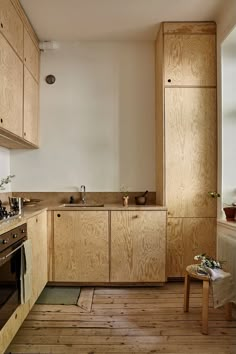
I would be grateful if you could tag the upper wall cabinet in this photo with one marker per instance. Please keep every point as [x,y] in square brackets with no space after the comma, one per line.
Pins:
[31,55]
[19,73]
[31,108]
[11,89]
[11,26]
[189,58]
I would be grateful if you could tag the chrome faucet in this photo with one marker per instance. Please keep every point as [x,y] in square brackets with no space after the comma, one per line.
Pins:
[83,194]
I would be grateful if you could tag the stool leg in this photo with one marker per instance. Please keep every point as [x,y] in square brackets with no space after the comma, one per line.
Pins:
[186,292]
[205,301]
[228,311]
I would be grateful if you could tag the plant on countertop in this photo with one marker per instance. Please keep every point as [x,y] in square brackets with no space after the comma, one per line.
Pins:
[5,181]
[124,190]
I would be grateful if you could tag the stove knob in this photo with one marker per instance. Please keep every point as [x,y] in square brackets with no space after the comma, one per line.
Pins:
[22,231]
[4,242]
[14,235]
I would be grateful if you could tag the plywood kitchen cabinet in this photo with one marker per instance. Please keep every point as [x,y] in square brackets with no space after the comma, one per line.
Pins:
[187,237]
[19,98]
[37,233]
[190,59]
[31,108]
[11,89]
[138,246]
[31,55]
[81,250]
[11,26]
[190,151]
[186,134]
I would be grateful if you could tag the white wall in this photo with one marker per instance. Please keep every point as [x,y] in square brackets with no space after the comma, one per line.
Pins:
[97,120]
[225,24]
[229,118]
[4,166]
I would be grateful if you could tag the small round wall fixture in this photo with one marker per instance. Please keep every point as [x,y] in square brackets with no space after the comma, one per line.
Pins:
[50,79]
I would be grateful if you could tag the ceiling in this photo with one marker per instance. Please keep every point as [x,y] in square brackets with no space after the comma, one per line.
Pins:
[74,20]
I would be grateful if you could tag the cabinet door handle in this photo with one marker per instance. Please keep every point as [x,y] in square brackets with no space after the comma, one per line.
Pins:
[1,120]
[1,25]
[58,215]
[135,217]
[169,80]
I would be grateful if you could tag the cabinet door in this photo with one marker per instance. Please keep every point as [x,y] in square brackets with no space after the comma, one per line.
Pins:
[31,55]
[11,26]
[175,248]
[199,237]
[138,246]
[37,232]
[81,246]
[11,89]
[190,60]
[190,126]
[187,237]
[31,108]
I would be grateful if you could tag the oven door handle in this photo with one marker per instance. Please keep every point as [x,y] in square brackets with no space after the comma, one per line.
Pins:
[9,254]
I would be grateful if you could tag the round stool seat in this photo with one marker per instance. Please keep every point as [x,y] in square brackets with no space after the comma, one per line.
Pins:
[192,272]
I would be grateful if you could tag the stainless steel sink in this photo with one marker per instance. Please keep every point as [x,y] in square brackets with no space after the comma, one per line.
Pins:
[80,205]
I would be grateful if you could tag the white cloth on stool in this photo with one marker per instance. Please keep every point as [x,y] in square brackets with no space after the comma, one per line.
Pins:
[223,287]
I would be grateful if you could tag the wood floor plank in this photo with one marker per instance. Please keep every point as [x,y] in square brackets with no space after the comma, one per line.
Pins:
[86,298]
[125,321]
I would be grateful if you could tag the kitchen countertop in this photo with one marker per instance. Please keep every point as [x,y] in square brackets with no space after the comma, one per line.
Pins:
[30,211]
[228,224]
[27,213]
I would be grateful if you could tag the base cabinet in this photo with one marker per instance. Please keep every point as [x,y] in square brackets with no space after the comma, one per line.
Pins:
[37,233]
[187,237]
[81,246]
[138,246]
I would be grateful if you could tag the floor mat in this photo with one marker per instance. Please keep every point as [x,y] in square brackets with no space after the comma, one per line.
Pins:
[59,295]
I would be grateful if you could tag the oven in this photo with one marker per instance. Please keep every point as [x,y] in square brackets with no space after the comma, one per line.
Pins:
[11,244]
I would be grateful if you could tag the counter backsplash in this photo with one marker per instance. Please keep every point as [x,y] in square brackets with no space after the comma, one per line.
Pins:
[4,197]
[91,197]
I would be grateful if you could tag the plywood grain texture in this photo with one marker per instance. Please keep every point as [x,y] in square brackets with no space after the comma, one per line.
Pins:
[138,246]
[31,108]
[190,151]
[190,27]
[199,236]
[25,20]
[190,60]
[37,233]
[175,247]
[160,133]
[81,246]
[11,89]
[11,26]
[31,55]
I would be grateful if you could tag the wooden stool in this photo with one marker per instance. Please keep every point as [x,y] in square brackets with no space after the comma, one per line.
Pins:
[191,272]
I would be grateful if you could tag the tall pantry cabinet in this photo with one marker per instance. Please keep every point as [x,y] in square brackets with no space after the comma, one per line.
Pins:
[186,139]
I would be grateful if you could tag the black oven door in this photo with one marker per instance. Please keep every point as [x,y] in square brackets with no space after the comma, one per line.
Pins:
[10,266]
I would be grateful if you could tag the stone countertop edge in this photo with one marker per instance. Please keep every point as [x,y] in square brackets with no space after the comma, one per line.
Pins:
[108,207]
[31,211]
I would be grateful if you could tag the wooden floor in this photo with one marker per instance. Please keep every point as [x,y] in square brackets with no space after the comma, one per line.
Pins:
[127,320]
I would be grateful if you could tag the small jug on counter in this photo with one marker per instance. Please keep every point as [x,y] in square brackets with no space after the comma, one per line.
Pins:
[126,201]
